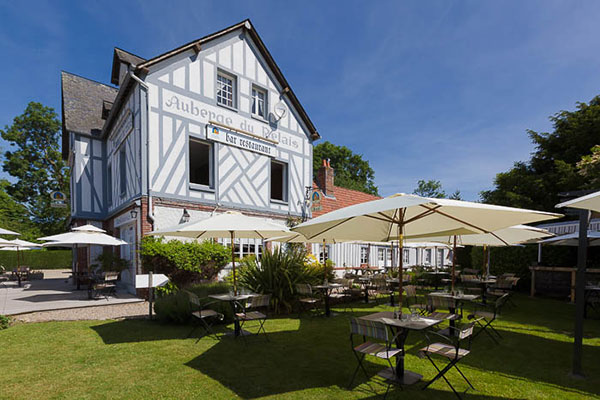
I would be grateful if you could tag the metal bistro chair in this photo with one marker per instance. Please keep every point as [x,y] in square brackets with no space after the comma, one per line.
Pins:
[449,347]
[306,298]
[381,287]
[205,315]
[412,301]
[485,318]
[343,295]
[383,347]
[504,285]
[250,313]
[106,285]
[436,303]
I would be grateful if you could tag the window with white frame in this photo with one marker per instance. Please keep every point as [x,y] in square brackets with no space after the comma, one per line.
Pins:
[381,254]
[440,257]
[122,170]
[279,181]
[323,253]
[427,260]
[405,256]
[388,253]
[226,89]
[259,102]
[364,255]
[201,163]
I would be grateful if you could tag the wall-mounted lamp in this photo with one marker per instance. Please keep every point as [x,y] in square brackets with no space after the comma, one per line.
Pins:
[133,213]
[185,217]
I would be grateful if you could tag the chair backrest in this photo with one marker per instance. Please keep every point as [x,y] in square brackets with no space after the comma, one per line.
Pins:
[468,277]
[304,288]
[437,302]
[504,283]
[507,275]
[465,331]
[260,301]
[411,290]
[500,302]
[111,276]
[469,271]
[373,329]
[193,298]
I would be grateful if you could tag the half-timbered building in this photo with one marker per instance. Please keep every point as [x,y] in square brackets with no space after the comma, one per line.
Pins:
[211,125]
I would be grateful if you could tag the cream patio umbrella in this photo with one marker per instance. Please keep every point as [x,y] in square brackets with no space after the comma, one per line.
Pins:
[230,224]
[511,236]
[7,232]
[86,235]
[403,215]
[18,245]
[587,202]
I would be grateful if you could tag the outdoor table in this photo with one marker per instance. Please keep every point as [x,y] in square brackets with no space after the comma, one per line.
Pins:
[365,281]
[79,276]
[458,298]
[590,290]
[326,289]
[401,327]
[483,284]
[437,277]
[232,300]
[20,273]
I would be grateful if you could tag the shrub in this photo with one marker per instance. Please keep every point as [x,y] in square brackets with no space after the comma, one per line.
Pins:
[175,306]
[5,321]
[184,262]
[278,273]
[109,261]
[38,259]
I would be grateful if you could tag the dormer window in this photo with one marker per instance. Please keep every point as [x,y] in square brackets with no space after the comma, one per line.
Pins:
[226,89]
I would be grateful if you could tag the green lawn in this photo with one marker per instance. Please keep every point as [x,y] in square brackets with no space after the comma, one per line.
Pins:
[307,358]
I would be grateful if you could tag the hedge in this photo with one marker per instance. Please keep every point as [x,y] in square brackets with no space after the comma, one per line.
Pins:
[37,259]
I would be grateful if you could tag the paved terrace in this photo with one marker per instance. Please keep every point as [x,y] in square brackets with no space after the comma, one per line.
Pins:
[54,292]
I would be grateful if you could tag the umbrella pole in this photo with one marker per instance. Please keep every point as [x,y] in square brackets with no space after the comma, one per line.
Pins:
[484,260]
[453,262]
[400,261]
[233,264]
[324,262]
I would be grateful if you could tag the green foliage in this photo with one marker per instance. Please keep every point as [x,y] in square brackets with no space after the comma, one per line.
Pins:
[589,168]
[184,262]
[553,167]
[175,307]
[277,274]
[35,160]
[15,216]
[38,259]
[351,171]
[109,261]
[434,189]
[5,321]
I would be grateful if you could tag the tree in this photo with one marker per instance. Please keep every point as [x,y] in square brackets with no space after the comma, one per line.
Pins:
[434,189]
[351,171]
[34,159]
[14,216]
[589,168]
[552,167]
[430,188]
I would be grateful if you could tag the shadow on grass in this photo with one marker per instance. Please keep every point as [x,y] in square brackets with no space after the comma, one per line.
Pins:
[138,330]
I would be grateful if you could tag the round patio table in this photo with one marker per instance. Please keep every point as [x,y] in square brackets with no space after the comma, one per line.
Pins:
[233,300]
[326,289]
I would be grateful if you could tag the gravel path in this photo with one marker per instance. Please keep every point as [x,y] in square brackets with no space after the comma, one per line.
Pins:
[116,311]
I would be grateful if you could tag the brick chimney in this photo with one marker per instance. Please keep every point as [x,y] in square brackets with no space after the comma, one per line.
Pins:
[325,178]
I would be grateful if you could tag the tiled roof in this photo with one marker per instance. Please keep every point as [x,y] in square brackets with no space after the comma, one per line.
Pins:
[82,106]
[343,198]
[122,56]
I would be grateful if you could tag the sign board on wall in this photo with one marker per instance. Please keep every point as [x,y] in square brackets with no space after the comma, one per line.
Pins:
[59,200]
[187,107]
[316,201]
[240,140]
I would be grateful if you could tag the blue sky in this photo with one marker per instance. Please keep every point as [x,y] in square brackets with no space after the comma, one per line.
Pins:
[424,90]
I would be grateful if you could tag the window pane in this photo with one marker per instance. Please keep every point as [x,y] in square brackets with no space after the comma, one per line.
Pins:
[199,163]
[277,181]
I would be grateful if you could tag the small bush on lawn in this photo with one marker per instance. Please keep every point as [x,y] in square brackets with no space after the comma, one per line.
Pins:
[278,273]
[185,263]
[175,307]
[4,322]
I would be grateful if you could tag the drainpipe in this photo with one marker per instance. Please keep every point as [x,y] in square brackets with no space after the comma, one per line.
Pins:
[149,181]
